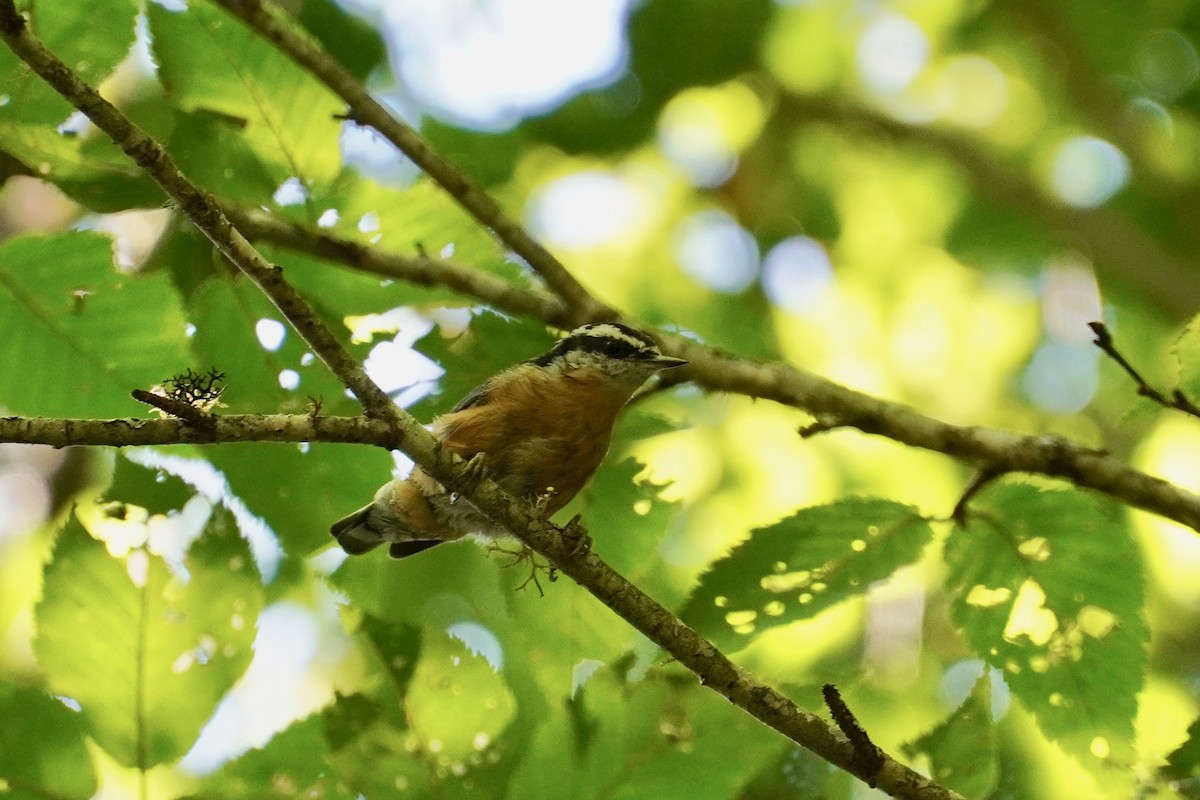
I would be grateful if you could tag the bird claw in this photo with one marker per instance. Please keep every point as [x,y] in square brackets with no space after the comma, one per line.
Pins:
[476,471]
[576,538]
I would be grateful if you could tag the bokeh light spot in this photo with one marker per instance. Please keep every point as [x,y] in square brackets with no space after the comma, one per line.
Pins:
[1086,171]
[717,252]
[797,275]
[891,52]
[586,209]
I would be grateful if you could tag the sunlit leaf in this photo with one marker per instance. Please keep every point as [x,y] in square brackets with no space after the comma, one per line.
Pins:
[75,335]
[962,748]
[146,653]
[803,565]
[626,517]
[1048,588]
[267,366]
[42,748]
[101,177]
[457,698]
[209,60]
[293,764]
[91,38]
[420,217]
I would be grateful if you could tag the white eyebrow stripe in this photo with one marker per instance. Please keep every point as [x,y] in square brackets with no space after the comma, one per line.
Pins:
[606,331]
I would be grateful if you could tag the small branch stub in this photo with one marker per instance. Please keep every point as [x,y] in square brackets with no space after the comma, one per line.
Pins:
[868,758]
[189,396]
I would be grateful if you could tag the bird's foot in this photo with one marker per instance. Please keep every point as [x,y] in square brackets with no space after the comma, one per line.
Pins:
[476,471]
[576,538]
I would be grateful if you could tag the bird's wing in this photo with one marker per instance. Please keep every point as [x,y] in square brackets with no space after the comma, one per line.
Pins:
[476,396]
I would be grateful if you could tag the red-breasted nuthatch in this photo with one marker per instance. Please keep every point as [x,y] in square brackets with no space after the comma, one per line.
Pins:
[539,429]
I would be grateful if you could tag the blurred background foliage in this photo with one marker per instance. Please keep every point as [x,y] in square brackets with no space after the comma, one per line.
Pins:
[925,200]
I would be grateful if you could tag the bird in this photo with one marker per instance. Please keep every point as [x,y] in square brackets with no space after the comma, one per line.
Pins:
[539,429]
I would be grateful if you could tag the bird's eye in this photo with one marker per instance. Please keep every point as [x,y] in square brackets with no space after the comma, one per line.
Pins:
[615,348]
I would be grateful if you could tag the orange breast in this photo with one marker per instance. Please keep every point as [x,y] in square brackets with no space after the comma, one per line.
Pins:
[537,433]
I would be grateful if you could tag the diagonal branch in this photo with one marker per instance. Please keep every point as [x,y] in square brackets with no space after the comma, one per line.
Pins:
[422,270]
[987,449]
[712,667]
[365,110]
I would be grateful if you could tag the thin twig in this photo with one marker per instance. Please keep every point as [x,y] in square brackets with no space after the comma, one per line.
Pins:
[1178,400]
[423,270]
[187,412]
[981,479]
[270,23]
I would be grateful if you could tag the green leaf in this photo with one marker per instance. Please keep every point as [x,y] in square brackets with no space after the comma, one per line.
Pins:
[1184,761]
[293,764]
[301,490]
[1049,589]
[147,654]
[673,44]
[694,745]
[338,291]
[450,583]
[92,172]
[457,698]
[398,646]
[208,60]
[1187,350]
[92,38]
[77,336]
[211,150]
[962,749]
[803,565]
[225,314]
[421,216]
[626,516]
[356,45]
[489,158]
[42,749]
[348,718]
[154,490]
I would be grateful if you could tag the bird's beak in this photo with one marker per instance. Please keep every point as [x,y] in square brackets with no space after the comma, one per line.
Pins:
[667,362]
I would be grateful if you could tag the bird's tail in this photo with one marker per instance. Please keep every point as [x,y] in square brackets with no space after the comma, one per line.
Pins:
[354,532]
[400,514]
